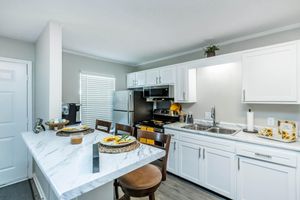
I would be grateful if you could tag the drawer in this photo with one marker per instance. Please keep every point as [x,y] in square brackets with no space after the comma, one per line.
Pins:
[267,154]
[175,134]
[208,141]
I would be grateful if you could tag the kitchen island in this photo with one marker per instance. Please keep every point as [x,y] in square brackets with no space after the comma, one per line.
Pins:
[64,171]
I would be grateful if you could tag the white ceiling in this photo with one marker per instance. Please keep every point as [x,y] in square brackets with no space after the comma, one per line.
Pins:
[136,31]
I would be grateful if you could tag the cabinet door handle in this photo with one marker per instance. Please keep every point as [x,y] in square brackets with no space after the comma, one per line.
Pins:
[132,82]
[203,153]
[156,80]
[183,95]
[263,155]
[159,79]
[136,82]
[174,146]
[239,163]
[244,94]
[199,153]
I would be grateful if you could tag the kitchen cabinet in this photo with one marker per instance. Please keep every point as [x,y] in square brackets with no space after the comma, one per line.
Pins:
[136,79]
[167,75]
[190,162]
[262,180]
[173,157]
[161,76]
[185,87]
[152,77]
[271,74]
[219,171]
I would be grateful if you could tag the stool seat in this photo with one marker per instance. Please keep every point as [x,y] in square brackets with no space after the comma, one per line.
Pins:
[145,177]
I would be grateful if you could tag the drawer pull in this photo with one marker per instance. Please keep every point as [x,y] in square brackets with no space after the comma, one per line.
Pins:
[263,155]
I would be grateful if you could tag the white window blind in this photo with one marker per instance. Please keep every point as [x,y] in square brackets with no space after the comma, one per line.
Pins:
[96,98]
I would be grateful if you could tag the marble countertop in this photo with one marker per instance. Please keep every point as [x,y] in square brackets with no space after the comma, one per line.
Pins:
[68,168]
[241,137]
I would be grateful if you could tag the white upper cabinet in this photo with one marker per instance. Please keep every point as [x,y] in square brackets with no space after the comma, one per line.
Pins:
[270,74]
[161,76]
[140,78]
[167,75]
[152,77]
[136,79]
[131,80]
[185,86]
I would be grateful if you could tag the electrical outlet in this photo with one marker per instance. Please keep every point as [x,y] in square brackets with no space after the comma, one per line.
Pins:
[207,116]
[271,121]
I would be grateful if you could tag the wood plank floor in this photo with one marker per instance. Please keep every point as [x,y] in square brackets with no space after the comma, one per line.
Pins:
[175,188]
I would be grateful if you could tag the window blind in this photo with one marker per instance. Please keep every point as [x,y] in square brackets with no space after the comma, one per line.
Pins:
[96,98]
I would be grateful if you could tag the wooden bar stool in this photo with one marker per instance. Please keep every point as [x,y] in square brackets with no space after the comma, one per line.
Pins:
[103,126]
[144,181]
[121,129]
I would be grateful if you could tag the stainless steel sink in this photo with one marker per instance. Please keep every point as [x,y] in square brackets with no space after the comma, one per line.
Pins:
[217,130]
[220,130]
[198,127]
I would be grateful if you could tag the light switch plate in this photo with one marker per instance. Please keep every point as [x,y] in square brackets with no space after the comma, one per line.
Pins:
[271,121]
[207,116]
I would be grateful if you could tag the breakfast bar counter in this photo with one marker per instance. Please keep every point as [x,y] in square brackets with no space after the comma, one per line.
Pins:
[68,168]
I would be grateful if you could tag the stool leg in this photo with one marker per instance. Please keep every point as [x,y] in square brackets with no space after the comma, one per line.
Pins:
[152,196]
[116,189]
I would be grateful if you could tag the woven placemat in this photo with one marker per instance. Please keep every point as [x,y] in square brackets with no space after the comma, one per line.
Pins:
[67,134]
[113,150]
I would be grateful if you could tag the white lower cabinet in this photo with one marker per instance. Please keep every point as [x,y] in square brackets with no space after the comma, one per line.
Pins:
[173,157]
[235,169]
[219,171]
[260,180]
[190,162]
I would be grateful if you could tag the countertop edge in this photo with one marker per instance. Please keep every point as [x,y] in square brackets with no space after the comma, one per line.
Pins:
[282,146]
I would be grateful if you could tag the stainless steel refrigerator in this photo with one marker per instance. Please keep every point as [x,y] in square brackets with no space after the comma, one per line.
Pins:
[130,107]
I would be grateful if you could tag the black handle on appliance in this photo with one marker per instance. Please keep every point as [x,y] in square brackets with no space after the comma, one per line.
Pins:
[96,166]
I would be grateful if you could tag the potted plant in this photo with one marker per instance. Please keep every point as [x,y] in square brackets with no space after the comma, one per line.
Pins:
[211,50]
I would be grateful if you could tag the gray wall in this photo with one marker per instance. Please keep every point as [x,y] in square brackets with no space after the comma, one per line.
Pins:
[247,44]
[221,85]
[18,49]
[73,64]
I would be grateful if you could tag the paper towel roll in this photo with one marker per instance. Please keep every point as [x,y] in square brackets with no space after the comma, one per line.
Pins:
[250,120]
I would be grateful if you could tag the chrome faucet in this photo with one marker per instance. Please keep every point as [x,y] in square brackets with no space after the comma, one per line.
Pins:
[213,115]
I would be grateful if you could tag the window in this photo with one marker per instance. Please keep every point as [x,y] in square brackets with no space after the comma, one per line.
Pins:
[96,97]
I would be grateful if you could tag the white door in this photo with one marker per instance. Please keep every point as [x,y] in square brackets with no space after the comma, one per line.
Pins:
[173,157]
[152,77]
[131,80]
[270,74]
[167,75]
[219,171]
[258,180]
[140,78]
[13,121]
[190,161]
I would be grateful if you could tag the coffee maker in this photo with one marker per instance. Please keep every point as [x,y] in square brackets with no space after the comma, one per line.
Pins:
[70,111]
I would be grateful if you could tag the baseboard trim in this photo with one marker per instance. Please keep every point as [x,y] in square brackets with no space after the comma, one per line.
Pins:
[39,187]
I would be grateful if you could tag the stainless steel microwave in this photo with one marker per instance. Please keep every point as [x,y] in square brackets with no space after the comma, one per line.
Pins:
[159,92]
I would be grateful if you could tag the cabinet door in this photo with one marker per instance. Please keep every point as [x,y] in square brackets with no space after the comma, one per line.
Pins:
[140,78]
[258,180]
[181,84]
[173,157]
[130,80]
[219,171]
[167,75]
[152,77]
[270,74]
[190,161]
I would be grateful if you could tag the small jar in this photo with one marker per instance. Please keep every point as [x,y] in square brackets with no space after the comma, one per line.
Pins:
[76,138]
